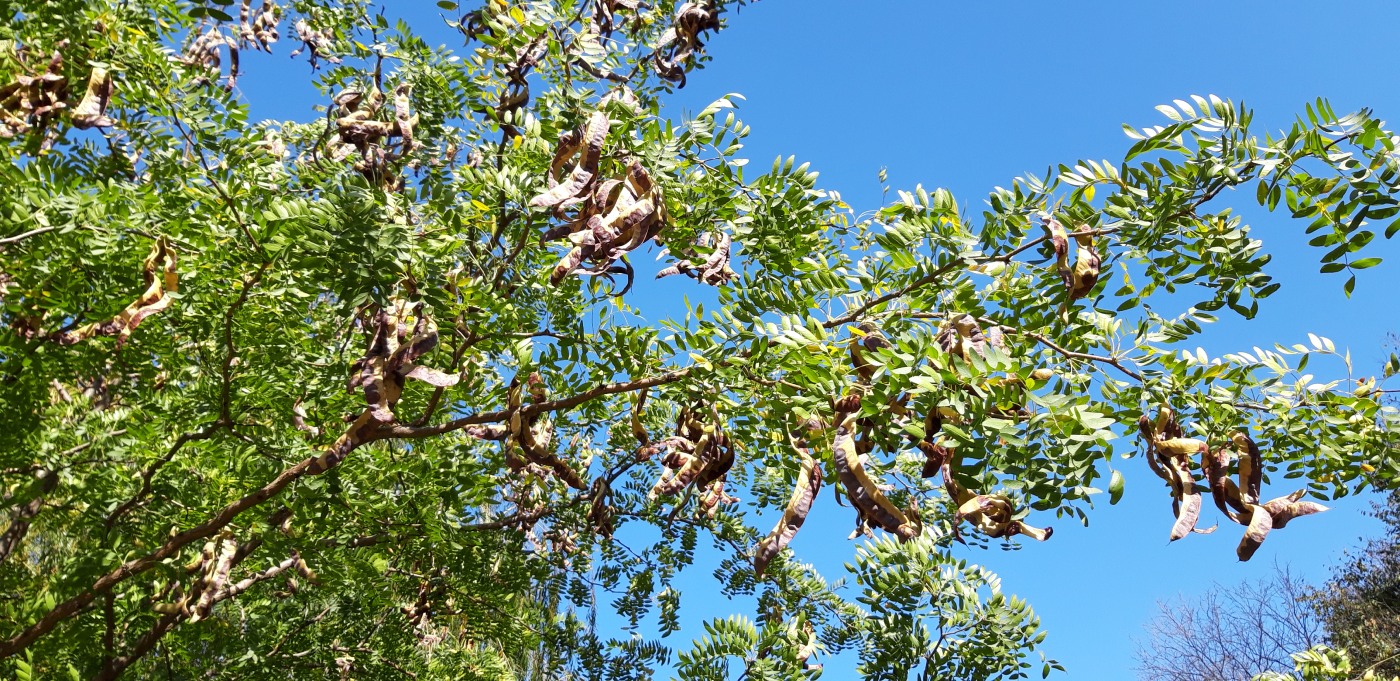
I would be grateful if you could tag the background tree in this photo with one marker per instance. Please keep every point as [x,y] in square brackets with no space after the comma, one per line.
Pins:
[1231,632]
[368,394]
[1360,605]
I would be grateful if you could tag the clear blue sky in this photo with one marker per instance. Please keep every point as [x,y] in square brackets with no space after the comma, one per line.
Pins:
[969,95]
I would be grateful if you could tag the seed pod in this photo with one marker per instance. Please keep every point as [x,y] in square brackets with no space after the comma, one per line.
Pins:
[91,111]
[1059,243]
[1149,436]
[809,482]
[215,577]
[1259,525]
[1284,509]
[714,498]
[589,140]
[864,494]
[402,118]
[713,270]
[1180,447]
[1251,467]
[935,457]
[1086,268]
[1225,494]
[305,570]
[1187,514]
[639,430]
[600,511]
[683,39]
[158,270]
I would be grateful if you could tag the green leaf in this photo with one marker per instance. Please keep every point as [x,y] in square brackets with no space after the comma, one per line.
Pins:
[1115,487]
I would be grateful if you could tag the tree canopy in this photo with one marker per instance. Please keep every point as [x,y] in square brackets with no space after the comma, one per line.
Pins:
[367,395]
[1360,605]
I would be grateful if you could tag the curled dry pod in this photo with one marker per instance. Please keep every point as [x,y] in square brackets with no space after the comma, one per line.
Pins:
[1188,514]
[600,511]
[1284,509]
[1180,447]
[1188,510]
[1251,467]
[1259,525]
[1059,242]
[533,435]
[158,270]
[809,482]
[402,117]
[1222,490]
[1018,527]
[680,469]
[639,430]
[715,497]
[864,494]
[589,139]
[1086,267]
[91,111]
[1149,436]
[934,458]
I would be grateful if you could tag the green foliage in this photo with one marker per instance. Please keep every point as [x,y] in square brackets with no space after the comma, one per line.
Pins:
[940,617]
[200,492]
[1360,605]
[1321,663]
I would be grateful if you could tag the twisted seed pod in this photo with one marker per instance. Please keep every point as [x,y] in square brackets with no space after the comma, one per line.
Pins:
[1260,523]
[809,482]
[864,494]
[1284,509]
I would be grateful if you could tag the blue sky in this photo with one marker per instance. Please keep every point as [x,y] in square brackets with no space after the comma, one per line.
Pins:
[969,95]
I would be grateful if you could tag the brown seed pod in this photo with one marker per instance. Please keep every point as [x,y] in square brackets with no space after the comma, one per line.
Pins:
[205,51]
[1284,509]
[1251,467]
[1059,243]
[1259,525]
[1169,456]
[1223,491]
[992,514]
[261,32]
[32,100]
[683,39]
[698,453]
[809,482]
[362,129]
[600,510]
[715,497]
[313,41]
[532,434]
[158,270]
[713,270]
[388,360]
[1086,268]
[639,430]
[1271,515]
[611,216]
[587,141]
[1187,501]
[1080,278]
[863,493]
[91,111]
